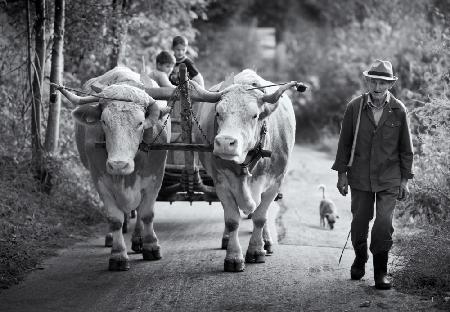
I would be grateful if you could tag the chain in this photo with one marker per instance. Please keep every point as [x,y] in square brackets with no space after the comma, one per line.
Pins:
[197,122]
[172,100]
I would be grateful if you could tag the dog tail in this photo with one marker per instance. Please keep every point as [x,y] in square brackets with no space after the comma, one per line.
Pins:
[322,187]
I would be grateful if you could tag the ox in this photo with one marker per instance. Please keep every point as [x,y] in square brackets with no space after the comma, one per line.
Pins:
[236,126]
[122,115]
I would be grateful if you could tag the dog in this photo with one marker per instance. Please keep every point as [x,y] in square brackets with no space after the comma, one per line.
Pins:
[327,209]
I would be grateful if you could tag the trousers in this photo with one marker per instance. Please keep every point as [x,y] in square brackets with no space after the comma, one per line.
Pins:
[362,207]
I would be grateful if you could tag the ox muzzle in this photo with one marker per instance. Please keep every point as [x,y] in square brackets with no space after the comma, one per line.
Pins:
[229,147]
[119,167]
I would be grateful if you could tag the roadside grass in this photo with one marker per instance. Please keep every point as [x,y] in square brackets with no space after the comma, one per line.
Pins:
[422,265]
[34,224]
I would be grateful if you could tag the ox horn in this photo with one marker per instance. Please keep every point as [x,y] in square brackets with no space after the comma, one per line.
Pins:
[199,94]
[75,99]
[274,97]
[162,94]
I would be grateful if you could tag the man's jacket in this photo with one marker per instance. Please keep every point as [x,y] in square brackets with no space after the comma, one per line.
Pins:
[383,153]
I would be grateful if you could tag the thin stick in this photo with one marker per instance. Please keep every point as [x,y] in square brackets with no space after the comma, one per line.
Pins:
[57,86]
[344,247]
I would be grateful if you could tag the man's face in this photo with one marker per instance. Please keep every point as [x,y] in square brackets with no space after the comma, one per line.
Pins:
[166,68]
[179,51]
[378,88]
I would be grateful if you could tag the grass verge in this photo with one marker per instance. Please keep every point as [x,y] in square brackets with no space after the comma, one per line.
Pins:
[34,224]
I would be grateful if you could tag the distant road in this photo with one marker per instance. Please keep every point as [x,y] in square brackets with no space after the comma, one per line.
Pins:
[302,275]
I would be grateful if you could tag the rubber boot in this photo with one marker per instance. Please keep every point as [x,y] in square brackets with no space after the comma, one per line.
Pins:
[380,261]
[358,268]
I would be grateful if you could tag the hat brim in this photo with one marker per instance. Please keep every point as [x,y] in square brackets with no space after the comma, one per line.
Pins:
[393,78]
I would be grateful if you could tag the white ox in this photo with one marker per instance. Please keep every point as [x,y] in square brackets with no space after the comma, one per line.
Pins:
[124,177]
[234,125]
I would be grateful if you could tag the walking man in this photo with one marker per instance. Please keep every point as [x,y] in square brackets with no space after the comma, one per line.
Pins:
[374,157]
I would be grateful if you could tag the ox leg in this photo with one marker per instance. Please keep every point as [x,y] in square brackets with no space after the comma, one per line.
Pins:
[256,252]
[136,238]
[118,261]
[268,242]
[234,260]
[151,250]
[225,238]
[109,240]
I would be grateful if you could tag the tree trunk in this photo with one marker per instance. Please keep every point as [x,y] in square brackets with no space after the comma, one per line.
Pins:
[119,28]
[38,75]
[57,67]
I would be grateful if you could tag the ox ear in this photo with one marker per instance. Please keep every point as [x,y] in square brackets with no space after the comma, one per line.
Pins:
[152,115]
[164,111]
[267,109]
[88,114]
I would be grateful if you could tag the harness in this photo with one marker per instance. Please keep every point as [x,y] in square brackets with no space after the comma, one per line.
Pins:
[256,153]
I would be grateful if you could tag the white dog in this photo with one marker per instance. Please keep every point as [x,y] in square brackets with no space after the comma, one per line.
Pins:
[328,210]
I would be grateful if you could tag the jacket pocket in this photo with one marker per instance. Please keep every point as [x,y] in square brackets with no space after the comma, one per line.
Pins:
[391,129]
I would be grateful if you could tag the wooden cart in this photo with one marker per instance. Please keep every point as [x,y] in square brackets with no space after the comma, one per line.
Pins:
[184,177]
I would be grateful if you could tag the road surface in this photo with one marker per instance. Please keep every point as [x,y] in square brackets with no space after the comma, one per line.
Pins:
[302,275]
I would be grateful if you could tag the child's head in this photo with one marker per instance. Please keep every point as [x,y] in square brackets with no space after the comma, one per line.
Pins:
[179,47]
[165,62]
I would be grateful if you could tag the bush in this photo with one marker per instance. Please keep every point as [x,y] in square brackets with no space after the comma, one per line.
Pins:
[33,224]
[430,189]
[424,263]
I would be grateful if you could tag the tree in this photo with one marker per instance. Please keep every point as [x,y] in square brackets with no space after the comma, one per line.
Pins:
[36,69]
[119,28]
[52,134]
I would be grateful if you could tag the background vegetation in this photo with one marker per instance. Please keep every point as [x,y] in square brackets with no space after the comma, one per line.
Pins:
[325,43]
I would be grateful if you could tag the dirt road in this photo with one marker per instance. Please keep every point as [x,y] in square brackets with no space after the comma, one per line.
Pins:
[302,275]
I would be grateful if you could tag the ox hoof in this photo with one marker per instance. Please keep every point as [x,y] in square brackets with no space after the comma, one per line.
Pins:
[119,265]
[136,244]
[225,241]
[108,240]
[234,265]
[268,247]
[255,257]
[151,255]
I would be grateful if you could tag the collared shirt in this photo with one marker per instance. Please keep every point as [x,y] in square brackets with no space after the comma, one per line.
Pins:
[383,153]
[378,110]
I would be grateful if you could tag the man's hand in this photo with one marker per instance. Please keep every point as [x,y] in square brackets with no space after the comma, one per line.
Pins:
[403,191]
[342,183]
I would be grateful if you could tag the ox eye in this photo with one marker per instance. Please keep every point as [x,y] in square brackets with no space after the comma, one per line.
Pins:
[103,122]
[255,116]
[140,124]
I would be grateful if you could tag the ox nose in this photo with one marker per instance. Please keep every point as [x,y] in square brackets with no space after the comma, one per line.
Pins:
[117,165]
[225,142]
